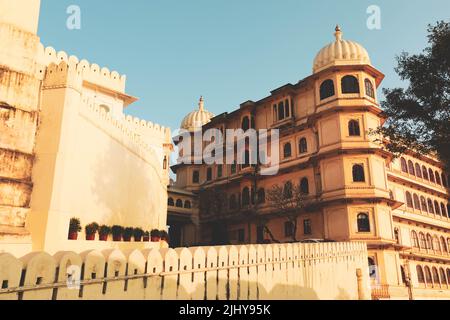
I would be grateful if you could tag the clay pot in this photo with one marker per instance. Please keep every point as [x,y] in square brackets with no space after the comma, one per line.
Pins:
[90,237]
[127,238]
[117,237]
[73,236]
[146,238]
[155,239]
[138,239]
[103,237]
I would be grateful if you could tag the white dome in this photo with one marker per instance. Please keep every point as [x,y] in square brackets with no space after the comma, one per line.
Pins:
[341,52]
[197,118]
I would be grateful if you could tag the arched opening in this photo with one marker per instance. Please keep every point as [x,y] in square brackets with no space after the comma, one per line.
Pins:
[418,171]
[104,108]
[245,123]
[195,176]
[431,175]
[363,222]
[303,145]
[261,196]
[349,84]
[287,150]
[420,275]
[287,190]
[415,239]
[358,173]
[423,241]
[438,177]
[187,204]
[304,186]
[416,202]
[430,206]
[428,278]
[423,204]
[424,173]
[326,89]
[369,88]
[246,196]
[404,165]
[353,128]
[409,201]
[436,280]
[411,168]
[170,202]
[179,203]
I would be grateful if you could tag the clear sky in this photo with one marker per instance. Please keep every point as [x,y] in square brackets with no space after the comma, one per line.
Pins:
[229,51]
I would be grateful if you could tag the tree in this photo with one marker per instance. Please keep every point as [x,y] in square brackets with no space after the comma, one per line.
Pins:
[287,201]
[212,202]
[419,116]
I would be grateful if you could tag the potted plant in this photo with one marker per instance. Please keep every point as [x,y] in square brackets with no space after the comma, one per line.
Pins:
[103,232]
[117,232]
[91,229]
[154,235]
[146,236]
[74,228]
[137,234]
[127,233]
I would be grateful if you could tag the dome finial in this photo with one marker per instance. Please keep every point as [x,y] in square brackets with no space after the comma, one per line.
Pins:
[338,33]
[201,103]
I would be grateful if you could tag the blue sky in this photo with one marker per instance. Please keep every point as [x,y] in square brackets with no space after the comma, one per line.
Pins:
[228,51]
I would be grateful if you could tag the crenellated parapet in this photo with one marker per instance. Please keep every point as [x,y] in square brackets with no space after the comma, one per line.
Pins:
[248,272]
[92,73]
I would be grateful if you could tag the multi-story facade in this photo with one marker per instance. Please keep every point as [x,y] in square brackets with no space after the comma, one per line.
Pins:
[354,190]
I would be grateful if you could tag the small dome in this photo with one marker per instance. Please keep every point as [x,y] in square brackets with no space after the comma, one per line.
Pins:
[197,118]
[341,52]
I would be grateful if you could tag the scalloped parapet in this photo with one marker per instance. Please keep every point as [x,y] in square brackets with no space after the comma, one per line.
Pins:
[247,272]
[89,72]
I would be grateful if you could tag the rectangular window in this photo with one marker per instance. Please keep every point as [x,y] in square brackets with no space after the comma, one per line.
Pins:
[307,226]
[233,167]
[219,171]
[195,176]
[288,229]
[241,235]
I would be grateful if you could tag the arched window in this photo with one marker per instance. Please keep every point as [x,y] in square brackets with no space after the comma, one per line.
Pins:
[304,186]
[195,176]
[245,123]
[424,173]
[372,268]
[402,272]
[170,202]
[281,111]
[436,246]
[415,239]
[350,84]
[404,165]
[429,242]
[444,183]
[369,88]
[430,206]
[431,175]
[287,151]
[246,196]
[409,201]
[443,245]
[443,210]
[353,128]
[252,123]
[246,163]
[363,222]
[233,202]
[436,281]
[179,203]
[165,163]
[428,276]
[261,195]
[423,241]
[423,204]
[438,177]
[287,190]
[416,202]
[411,168]
[420,276]
[418,171]
[358,173]
[187,204]
[397,235]
[437,208]
[443,277]
[326,89]
[303,145]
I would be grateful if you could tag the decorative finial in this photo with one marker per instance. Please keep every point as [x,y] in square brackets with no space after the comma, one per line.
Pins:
[201,103]
[338,33]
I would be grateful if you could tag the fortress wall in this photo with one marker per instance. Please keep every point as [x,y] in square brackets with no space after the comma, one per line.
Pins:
[277,271]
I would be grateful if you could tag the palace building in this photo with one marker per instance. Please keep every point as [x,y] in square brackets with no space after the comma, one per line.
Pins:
[353,189]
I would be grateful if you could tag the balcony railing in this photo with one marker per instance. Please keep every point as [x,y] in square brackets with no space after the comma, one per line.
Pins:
[380,291]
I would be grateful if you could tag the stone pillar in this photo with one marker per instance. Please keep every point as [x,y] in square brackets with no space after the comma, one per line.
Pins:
[20,81]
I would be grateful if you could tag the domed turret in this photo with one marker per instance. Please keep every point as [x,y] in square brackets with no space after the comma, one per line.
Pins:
[197,118]
[340,52]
